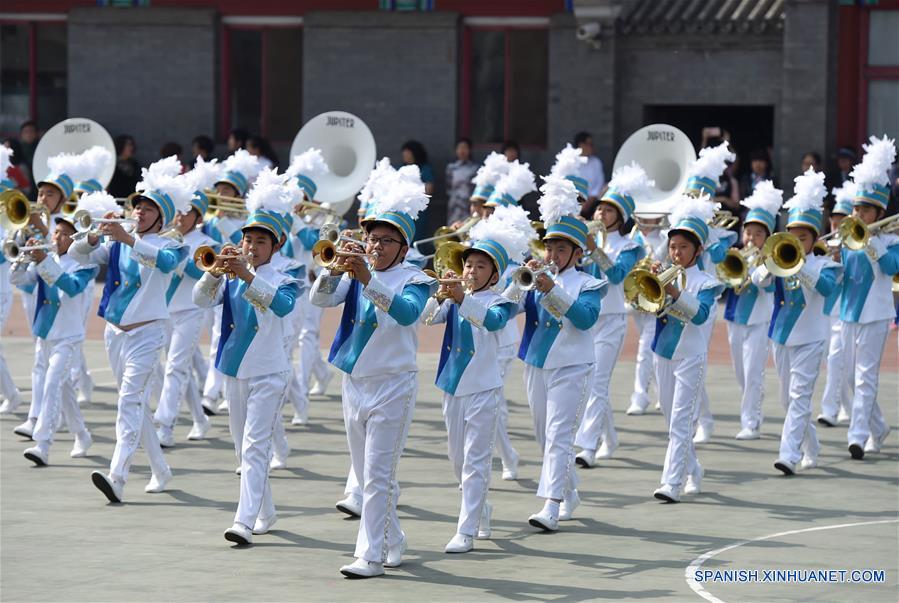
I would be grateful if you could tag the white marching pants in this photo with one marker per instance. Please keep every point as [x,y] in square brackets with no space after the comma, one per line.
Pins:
[797,367]
[863,346]
[133,357]
[80,373]
[507,452]
[644,372]
[38,375]
[8,387]
[557,398]
[59,390]
[254,409]
[838,383]
[212,389]
[178,382]
[377,412]
[598,423]
[749,354]
[470,430]
[681,383]
[310,363]
[198,361]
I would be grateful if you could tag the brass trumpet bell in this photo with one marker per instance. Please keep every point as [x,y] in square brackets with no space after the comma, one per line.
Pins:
[734,269]
[537,247]
[525,278]
[205,258]
[326,255]
[645,291]
[449,257]
[16,209]
[783,254]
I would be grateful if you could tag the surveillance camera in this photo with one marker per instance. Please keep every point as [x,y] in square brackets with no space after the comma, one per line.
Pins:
[588,32]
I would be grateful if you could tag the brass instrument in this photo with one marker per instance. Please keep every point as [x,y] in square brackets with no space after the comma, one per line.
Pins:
[640,220]
[87,225]
[449,257]
[306,209]
[854,234]
[895,286]
[645,291]
[16,210]
[326,255]
[17,254]
[724,219]
[783,254]
[225,204]
[598,229]
[205,258]
[525,277]
[537,246]
[734,269]
[442,296]
[331,232]
[448,232]
[69,207]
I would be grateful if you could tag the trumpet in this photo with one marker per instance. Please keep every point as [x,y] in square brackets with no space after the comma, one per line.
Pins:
[87,225]
[526,278]
[855,234]
[448,232]
[441,296]
[205,258]
[645,291]
[331,232]
[783,255]
[724,219]
[734,269]
[16,210]
[17,254]
[327,255]
[226,204]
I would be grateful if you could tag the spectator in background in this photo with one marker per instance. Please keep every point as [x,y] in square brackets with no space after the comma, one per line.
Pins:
[846,159]
[759,169]
[29,136]
[18,172]
[459,186]
[411,152]
[237,139]
[592,171]
[127,170]
[172,148]
[262,148]
[201,146]
[811,160]
[511,150]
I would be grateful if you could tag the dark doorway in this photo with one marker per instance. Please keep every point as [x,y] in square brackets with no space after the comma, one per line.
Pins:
[751,127]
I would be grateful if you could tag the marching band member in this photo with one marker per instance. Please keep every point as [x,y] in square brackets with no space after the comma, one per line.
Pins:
[305,169]
[376,347]
[867,304]
[469,373]
[61,286]
[798,328]
[513,181]
[139,269]
[648,235]
[682,333]
[256,301]
[560,312]
[748,312]
[238,171]
[836,401]
[187,319]
[612,255]
[8,390]
[704,176]
[495,166]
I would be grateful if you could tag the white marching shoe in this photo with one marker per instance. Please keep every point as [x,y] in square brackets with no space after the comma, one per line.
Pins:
[299,419]
[350,505]
[635,410]
[547,519]
[667,493]
[321,387]
[785,466]
[568,505]
[360,568]
[395,552]
[875,444]
[83,442]
[808,462]
[827,420]
[39,455]
[158,483]
[693,484]
[166,436]
[239,534]
[843,416]
[264,524]
[747,433]
[460,543]
[10,404]
[703,435]
[278,461]
[85,395]
[112,489]
[26,429]
[510,471]
[199,430]
[223,406]
[585,458]
[484,530]
[607,448]
[209,408]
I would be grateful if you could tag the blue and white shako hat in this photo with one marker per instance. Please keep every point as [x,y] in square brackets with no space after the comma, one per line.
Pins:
[239,170]
[91,165]
[368,196]
[495,166]
[271,197]
[691,214]
[164,185]
[568,165]
[97,204]
[512,186]
[307,168]
[807,203]
[705,172]
[203,178]
[628,184]
[399,199]
[763,204]
[6,183]
[504,236]
[62,167]
[844,197]
[871,176]
[559,210]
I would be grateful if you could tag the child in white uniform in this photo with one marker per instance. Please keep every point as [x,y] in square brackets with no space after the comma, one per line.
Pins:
[9,393]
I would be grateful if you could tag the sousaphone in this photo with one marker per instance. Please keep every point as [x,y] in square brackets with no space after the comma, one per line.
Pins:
[74,135]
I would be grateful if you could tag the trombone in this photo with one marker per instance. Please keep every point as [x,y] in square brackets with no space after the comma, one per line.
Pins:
[448,232]
[724,219]
[645,291]
[226,204]
[205,258]
[305,209]
[855,234]
[525,277]
[734,269]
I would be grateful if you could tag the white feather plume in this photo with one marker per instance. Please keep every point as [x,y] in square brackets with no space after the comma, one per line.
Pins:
[164,176]
[712,161]
[64,163]
[808,191]
[631,180]
[880,153]
[5,162]
[401,191]
[374,182]
[518,181]
[309,163]
[495,166]
[243,163]
[94,162]
[559,199]
[98,204]
[510,226]
[765,197]
[693,207]
[271,192]
[205,174]
[568,161]
[845,193]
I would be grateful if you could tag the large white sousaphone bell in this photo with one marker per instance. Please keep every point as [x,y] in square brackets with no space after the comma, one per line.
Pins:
[73,135]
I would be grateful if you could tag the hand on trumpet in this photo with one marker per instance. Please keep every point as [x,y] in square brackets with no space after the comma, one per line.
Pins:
[232,261]
[114,230]
[452,290]
[38,255]
[671,288]
[544,283]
